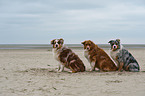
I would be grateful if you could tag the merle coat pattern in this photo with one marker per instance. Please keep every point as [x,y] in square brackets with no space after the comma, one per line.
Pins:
[123,57]
[71,60]
[128,60]
[66,57]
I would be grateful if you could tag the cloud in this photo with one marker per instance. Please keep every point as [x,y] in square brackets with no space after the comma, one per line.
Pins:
[82,19]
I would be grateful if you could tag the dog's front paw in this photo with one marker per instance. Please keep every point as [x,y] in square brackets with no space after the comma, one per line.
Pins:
[92,70]
[59,71]
[120,70]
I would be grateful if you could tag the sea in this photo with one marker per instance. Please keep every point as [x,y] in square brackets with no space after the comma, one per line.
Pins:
[48,46]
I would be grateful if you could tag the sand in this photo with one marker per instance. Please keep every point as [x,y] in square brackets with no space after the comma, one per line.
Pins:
[32,72]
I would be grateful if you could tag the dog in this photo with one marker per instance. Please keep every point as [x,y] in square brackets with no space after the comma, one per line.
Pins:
[97,57]
[66,57]
[123,57]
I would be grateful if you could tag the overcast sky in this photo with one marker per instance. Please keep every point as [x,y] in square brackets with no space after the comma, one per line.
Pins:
[40,21]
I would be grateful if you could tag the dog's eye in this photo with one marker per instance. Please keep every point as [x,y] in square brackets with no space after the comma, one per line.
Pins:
[53,42]
[116,42]
[87,44]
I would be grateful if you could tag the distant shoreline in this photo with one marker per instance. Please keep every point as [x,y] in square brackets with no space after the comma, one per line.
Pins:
[48,46]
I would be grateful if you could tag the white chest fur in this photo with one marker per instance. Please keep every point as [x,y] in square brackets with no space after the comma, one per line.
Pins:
[86,54]
[113,55]
[55,53]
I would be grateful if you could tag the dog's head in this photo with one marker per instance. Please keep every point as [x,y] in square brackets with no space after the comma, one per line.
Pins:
[115,44]
[57,43]
[88,45]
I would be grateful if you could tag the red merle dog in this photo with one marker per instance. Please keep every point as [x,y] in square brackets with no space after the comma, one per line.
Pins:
[66,57]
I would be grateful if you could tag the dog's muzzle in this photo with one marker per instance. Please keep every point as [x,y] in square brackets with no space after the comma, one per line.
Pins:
[114,46]
[88,48]
[56,45]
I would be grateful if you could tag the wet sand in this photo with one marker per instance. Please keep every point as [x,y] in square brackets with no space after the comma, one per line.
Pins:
[32,72]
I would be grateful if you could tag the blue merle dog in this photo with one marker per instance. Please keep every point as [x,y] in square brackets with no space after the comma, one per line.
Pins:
[122,57]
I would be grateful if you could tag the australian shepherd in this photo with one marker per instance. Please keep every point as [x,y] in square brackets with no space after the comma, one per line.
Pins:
[97,57]
[66,57]
[123,57]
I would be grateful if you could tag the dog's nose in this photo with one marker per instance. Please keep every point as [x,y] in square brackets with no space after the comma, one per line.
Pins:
[88,48]
[114,46]
[56,45]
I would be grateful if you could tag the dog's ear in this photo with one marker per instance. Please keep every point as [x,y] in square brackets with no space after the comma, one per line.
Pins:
[118,40]
[110,41]
[61,41]
[52,41]
[83,42]
[91,42]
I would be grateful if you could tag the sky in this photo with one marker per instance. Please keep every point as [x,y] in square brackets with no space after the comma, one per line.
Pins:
[40,21]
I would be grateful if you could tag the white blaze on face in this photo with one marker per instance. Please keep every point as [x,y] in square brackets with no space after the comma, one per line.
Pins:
[88,47]
[56,43]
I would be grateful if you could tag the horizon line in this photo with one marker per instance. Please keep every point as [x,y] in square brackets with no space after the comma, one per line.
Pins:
[71,43]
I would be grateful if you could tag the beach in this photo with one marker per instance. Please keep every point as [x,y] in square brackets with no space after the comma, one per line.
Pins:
[32,72]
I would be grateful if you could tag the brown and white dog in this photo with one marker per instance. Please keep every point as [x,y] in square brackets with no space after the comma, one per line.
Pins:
[66,57]
[97,57]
